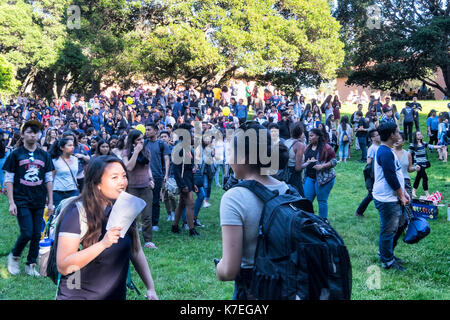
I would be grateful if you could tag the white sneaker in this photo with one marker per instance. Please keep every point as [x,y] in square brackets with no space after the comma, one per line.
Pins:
[169,218]
[13,264]
[155,228]
[172,216]
[31,270]
[206,204]
[186,226]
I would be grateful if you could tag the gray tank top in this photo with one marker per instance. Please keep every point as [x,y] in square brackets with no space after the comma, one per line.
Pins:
[405,164]
[290,145]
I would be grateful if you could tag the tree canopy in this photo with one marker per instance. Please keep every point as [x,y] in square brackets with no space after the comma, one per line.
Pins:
[411,41]
[203,41]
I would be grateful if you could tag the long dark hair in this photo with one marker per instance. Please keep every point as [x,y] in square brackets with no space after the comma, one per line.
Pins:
[344,122]
[94,200]
[320,143]
[144,155]
[97,149]
[415,141]
[55,149]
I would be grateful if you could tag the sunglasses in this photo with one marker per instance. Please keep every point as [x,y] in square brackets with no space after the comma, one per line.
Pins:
[31,156]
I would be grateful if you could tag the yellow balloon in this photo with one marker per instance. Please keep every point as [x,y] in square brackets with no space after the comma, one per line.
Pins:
[130,100]
[141,128]
[226,111]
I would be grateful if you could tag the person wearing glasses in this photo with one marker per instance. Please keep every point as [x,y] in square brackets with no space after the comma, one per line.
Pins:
[28,181]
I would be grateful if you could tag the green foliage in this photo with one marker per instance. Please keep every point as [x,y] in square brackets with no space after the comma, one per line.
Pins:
[7,81]
[257,36]
[412,42]
[121,41]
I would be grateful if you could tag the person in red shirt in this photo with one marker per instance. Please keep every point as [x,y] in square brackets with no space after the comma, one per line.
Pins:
[65,105]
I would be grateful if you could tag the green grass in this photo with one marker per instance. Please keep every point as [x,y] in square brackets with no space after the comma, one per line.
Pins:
[183,268]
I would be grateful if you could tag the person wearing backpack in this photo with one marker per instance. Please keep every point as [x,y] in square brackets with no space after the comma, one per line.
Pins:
[345,134]
[28,178]
[267,259]
[239,219]
[368,172]
[103,261]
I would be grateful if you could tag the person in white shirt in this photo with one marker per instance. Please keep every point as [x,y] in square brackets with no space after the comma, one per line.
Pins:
[66,169]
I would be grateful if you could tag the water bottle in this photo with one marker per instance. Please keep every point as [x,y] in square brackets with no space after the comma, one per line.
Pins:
[44,252]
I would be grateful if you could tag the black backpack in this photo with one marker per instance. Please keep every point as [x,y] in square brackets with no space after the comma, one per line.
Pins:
[298,256]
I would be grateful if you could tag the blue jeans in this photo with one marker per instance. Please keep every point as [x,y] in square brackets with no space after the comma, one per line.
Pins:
[343,149]
[220,167]
[363,145]
[30,224]
[312,189]
[59,196]
[207,184]
[392,225]
[2,174]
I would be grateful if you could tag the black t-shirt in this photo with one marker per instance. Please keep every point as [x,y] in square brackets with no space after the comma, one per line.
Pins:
[29,176]
[362,123]
[105,277]
[310,172]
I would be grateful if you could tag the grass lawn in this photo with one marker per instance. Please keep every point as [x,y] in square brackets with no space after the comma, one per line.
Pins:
[183,268]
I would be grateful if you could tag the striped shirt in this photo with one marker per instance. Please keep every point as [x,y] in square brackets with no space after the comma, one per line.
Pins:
[419,154]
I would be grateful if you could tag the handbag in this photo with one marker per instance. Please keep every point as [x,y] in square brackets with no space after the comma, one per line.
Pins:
[417,229]
[325,176]
[172,187]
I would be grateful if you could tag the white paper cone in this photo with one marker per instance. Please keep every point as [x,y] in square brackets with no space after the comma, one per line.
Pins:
[125,211]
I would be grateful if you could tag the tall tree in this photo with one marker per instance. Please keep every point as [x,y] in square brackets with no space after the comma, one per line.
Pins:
[258,36]
[407,40]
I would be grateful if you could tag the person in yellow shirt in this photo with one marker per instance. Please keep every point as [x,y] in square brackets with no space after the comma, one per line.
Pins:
[217,93]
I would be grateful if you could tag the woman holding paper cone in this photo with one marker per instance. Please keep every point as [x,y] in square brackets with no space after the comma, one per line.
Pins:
[137,161]
[99,270]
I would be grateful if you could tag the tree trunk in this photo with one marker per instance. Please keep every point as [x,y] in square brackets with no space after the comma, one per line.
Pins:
[226,75]
[65,87]
[446,74]
[55,86]
[27,84]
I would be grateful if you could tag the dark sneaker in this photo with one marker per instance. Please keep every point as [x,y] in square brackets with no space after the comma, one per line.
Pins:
[193,233]
[398,260]
[395,266]
[175,229]
[359,215]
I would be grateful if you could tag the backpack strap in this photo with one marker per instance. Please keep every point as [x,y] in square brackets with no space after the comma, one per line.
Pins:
[83,219]
[258,189]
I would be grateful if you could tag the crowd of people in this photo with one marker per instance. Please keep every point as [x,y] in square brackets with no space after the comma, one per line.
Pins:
[53,150]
